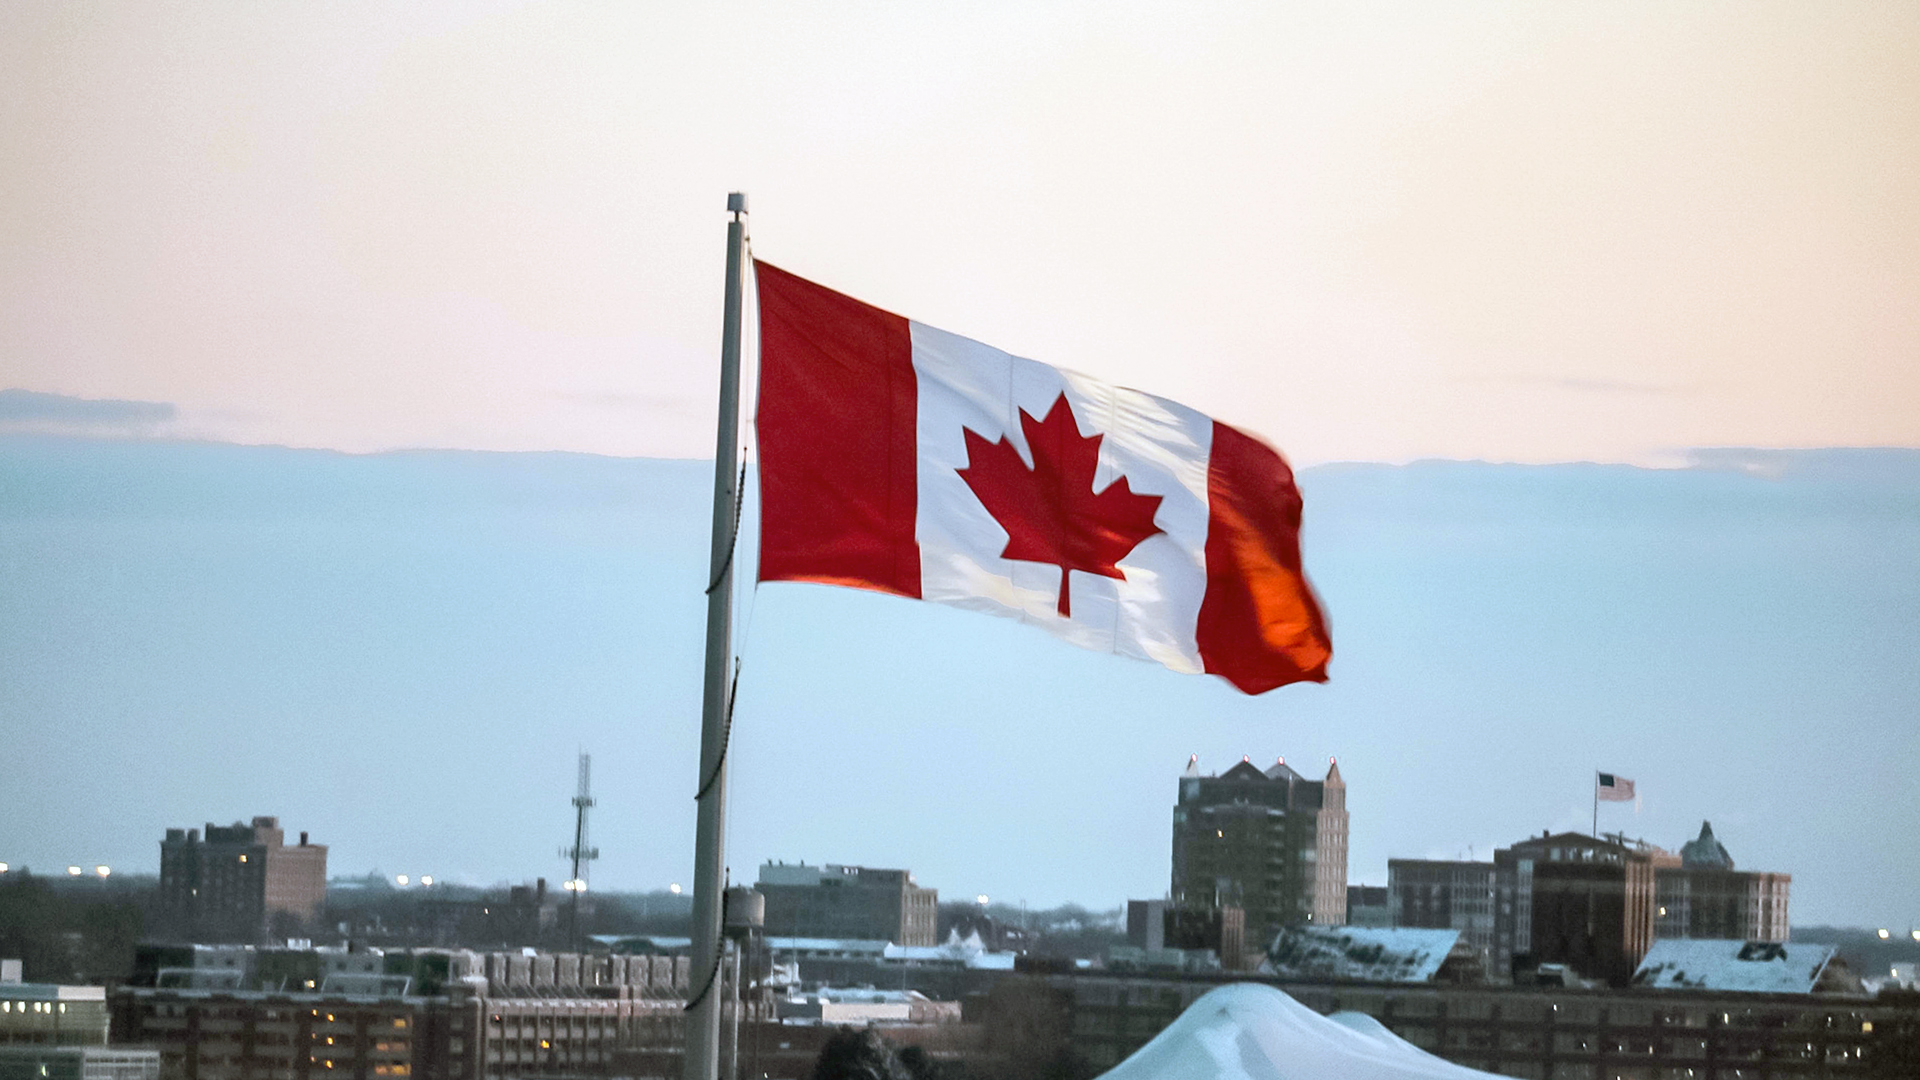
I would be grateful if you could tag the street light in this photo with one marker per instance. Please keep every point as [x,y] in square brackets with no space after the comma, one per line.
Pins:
[426,879]
[103,871]
[400,879]
[674,888]
[981,899]
[74,871]
[1884,934]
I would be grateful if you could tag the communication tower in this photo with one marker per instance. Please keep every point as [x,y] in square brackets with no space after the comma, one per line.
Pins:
[580,853]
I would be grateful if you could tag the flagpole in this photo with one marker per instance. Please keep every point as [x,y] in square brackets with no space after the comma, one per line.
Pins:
[1596,805]
[702,1061]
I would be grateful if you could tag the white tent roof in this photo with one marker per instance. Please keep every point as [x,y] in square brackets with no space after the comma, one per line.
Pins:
[1248,1031]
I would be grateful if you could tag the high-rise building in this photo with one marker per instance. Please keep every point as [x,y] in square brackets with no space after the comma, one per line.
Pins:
[849,902]
[1437,894]
[1701,895]
[240,883]
[1271,843]
[1577,900]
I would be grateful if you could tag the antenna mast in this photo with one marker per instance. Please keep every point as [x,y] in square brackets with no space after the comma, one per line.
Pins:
[580,852]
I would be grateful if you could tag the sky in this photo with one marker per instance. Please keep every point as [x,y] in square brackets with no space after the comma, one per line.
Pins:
[1580,239]
[1516,232]
[402,654]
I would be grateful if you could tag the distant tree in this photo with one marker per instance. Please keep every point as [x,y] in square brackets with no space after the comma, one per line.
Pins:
[65,937]
[859,1055]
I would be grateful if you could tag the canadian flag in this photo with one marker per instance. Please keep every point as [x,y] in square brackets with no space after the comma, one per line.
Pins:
[908,460]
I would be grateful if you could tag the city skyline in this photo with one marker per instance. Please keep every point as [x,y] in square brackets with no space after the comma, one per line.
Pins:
[1665,259]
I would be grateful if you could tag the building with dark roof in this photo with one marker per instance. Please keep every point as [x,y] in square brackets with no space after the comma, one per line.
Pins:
[1705,851]
[1578,900]
[1446,894]
[857,902]
[1369,905]
[1701,895]
[239,883]
[1269,842]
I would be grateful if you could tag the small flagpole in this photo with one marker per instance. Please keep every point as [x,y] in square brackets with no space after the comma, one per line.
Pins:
[1596,804]
[702,1061]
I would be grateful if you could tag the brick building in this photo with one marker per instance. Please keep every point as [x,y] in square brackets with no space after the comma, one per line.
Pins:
[239,1013]
[1577,900]
[239,883]
[1270,842]
[1532,1033]
[1699,894]
[1437,894]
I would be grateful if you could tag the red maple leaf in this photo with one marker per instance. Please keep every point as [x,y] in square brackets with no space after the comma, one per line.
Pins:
[1051,512]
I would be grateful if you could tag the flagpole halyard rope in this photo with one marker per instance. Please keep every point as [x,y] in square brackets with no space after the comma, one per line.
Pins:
[713,974]
[726,738]
[726,735]
[733,541]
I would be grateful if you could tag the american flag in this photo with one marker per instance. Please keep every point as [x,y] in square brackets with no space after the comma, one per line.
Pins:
[1610,788]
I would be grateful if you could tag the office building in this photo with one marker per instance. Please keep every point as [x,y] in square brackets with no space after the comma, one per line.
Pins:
[53,1032]
[1436,894]
[239,1013]
[1368,905]
[47,1062]
[239,883]
[1164,934]
[1701,895]
[1269,842]
[849,902]
[1576,900]
[47,1014]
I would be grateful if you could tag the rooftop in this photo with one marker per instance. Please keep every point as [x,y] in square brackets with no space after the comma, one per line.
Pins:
[1758,967]
[1361,953]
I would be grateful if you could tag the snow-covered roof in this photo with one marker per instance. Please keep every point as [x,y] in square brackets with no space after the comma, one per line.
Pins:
[1759,967]
[866,995]
[980,961]
[649,942]
[1362,953]
[829,946]
[966,952]
[1247,1031]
